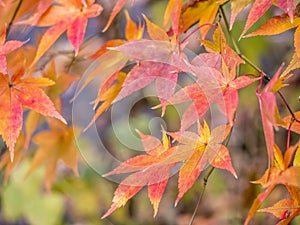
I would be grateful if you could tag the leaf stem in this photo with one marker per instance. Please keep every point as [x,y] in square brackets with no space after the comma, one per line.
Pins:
[235,45]
[205,179]
[13,17]
[249,62]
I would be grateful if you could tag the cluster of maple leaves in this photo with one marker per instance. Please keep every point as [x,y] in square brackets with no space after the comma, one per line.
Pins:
[159,57]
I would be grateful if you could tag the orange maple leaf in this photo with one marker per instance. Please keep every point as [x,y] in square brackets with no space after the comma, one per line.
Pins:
[280,173]
[54,145]
[16,92]
[205,147]
[70,16]
[5,48]
[203,12]
[259,8]
[149,169]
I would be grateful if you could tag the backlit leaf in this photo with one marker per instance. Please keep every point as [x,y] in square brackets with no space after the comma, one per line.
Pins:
[16,92]
[149,170]
[53,146]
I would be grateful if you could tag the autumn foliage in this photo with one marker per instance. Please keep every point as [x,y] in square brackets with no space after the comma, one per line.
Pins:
[32,110]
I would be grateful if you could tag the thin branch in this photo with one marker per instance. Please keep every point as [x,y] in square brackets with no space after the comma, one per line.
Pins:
[205,179]
[13,17]
[248,61]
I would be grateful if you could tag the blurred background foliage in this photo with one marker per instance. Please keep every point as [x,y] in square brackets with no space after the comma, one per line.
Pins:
[83,200]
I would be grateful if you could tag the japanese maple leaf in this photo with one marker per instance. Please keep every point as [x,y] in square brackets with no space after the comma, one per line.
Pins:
[173,11]
[144,73]
[5,161]
[70,16]
[204,12]
[206,148]
[54,145]
[289,123]
[117,8]
[236,7]
[111,62]
[280,24]
[279,173]
[62,83]
[259,8]
[222,88]
[268,107]
[147,169]
[107,95]
[220,46]
[16,92]
[7,47]
[201,101]
[284,209]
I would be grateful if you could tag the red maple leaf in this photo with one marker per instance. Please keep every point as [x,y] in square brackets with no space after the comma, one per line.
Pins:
[70,16]
[5,48]
[16,92]
[203,147]
[148,169]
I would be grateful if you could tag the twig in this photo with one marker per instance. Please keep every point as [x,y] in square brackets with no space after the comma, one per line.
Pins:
[13,17]
[205,179]
[236,48]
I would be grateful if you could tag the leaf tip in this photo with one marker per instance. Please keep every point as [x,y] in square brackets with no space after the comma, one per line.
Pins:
[11,156]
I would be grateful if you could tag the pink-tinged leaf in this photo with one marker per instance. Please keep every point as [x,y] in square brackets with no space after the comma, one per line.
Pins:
[50,36]
[236,7]
[297,41]
[117,8]
[189,173]
[222,160]
[14,94]
[103,49]
[106,66]
[176,16]
[157,186]
[295,125]
[76,32]
[276,25]
[267,104]
[288,7]
[107,97]
[144,73]
[43,6]
[37,100]
[6,48]
[11,120]
[206,147]
[229,104]
[257,10]
[126,190]
[155,51]
[198,107]
[150,169]
[258,201]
